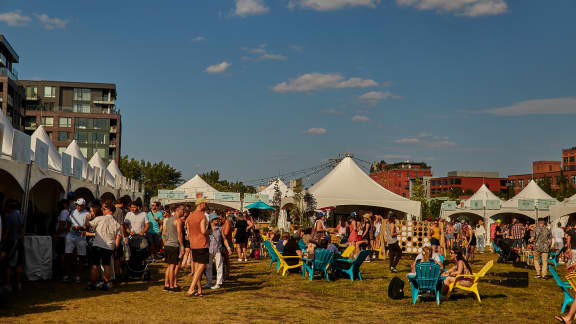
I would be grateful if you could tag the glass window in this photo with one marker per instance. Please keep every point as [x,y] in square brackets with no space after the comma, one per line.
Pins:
[102,152]
[571,159]
[100,123]
[81,94]
[31,92]
[457,181]
[63,136]
[98,138]
[521,183]
[65,122]
[84,151]
[47,121]
[82,137]
[50,92]
[81,107]
[573,180]
[61,149]
[82,123]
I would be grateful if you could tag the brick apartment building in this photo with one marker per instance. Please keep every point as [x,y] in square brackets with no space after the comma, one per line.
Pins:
[569,159]
[397,177]
[11,93]
[467,181]
[550,171]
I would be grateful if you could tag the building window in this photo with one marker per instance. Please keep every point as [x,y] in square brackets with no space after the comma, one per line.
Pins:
[82,123]
[84,151]
[521,183]
[63,136]
[572,159]
[573,179]
[81,107]
[98,138]
[31,92]
[100,123]
[47,121]
[61,149]
[50,92]
[65,122]
[81,94]
[82,137]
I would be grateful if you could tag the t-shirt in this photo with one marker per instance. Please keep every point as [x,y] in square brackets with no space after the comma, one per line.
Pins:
[136,222]
[106,229]
[558,234]
[62,217]
[14,223]
[77,218]
[480,230]
[290,250]
[154,225]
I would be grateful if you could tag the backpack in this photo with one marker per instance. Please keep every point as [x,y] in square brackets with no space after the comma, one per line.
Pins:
[396,288]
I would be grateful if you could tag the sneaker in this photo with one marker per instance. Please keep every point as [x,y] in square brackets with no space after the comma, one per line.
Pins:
[537,277]
[392,269]
[106,286]
[65,279]
[245,260]
[175,289]
[545,277]
[77,279]
[206,286]
[215,287]
[99,284]
[239,260]
[167,288]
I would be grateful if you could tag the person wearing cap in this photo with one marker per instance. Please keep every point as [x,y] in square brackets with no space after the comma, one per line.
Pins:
[217,242]
[498,232]
[76,239]
[426,254]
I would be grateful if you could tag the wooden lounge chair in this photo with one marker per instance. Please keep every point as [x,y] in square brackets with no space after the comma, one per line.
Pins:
[321,262]
[476,277]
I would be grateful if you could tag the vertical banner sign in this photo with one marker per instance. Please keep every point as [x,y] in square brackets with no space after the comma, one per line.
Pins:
[66,164]
[41,154]
[21,147]
[77,168]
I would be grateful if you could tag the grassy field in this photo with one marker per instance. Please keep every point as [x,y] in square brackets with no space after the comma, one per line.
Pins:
[255,294]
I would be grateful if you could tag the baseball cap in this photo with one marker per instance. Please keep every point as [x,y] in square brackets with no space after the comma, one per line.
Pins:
[213,216]
[498,221]
[81,202]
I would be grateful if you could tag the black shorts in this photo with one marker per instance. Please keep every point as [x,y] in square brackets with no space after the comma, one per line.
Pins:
[200,256]
[434,242]
[241,239]
[186,244]
[171,254]
[100,256]
[15,253]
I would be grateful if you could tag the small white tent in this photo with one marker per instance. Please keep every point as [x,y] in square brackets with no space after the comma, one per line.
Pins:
[483,194]
[347,184]
[531,192]
[8,134]
[285,192]
[567,207]
[114,171]
[54,158]
[74,151]
[197,185]
[97,162]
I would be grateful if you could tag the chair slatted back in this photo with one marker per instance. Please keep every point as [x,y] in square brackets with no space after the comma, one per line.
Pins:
[571,278]
[427,275]
[271,250]
[485,268]
[322,258]
[361,257]
[554,274]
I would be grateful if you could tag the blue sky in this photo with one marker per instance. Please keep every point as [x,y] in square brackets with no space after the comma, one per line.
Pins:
[255,88]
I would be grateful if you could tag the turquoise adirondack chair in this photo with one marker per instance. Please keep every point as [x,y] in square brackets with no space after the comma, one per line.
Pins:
[496,248]
[564,285]
[426,280]
[273,255]
[322,260]
[352,267]
[552,257]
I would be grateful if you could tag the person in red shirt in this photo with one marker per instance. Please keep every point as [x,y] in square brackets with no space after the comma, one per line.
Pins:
[197,235]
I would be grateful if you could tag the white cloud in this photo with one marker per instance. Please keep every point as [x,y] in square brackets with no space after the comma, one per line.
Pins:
[51,22]
[198,39]
[245,8]
[327,5]
[553,106]
[469,8]
[361,118]
[263,54]
[407,140]
[318,81]
[376,96]
[14,18]
[218,68]
[427,140]
[331,112]
[316,131]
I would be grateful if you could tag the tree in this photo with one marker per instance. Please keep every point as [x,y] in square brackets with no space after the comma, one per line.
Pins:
[276,202]
[419,194]
[213,178]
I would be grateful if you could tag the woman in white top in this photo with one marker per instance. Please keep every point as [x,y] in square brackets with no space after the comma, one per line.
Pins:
[558,237]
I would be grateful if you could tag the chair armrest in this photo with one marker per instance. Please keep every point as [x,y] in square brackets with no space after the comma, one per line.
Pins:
[345,260]
[468,276]
[291,257]
[306,259]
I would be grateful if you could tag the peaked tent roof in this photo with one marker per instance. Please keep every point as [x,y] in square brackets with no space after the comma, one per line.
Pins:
[114,169]
[483,193]
[54,158]
[97,162]
[284,190]
[347,184]
[194,185]
[74,150]
[531,192]
[8,136]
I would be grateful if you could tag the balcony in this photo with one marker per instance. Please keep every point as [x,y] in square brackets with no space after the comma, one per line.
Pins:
[104,101]
[92,110]
[30,126]
[11,74]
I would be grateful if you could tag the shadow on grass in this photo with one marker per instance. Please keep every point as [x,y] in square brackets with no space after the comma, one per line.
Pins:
[460,296]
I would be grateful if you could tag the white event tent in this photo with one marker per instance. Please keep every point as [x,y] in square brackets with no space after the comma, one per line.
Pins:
[97,162]
[114,171]
[197,185]
[54,158]
[347,184]
[482,194]
[531,192]
[565,208]
[285,192]
[74,151]
[8,134]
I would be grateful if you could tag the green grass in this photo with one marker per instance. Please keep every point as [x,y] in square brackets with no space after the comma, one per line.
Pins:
[257,294]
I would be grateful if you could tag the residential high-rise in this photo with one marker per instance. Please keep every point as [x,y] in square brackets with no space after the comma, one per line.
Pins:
[11,93]
[82,111]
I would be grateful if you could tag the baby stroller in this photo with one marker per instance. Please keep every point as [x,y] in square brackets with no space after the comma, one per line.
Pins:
[136,266]
[505,251]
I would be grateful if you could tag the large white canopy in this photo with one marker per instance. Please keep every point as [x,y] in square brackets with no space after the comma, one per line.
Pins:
[347,184]
[97,162]
[196,185]
[484,194]
[74,151]
[284,190]
[8,136]
[567,207]
[531,192]
[54,158]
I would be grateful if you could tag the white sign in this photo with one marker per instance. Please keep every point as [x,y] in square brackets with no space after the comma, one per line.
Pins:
[77,168]
[41,154]
[66,164]
[21,147]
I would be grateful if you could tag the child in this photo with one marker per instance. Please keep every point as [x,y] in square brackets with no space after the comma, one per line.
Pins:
[256,244]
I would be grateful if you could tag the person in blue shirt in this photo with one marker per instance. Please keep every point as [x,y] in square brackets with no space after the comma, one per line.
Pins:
[154,234]
[280,245]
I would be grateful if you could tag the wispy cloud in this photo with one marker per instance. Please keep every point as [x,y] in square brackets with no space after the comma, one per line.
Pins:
[396,156]
[51,22]
[319,81]
[361,118]
[296,48]
[198,39]
[468,8]
[331,112]
[427,140]
[552,106]
[218,68]
[327,5]
[14,18]
[245,8]
[262,53]
[316,131]
[377,96]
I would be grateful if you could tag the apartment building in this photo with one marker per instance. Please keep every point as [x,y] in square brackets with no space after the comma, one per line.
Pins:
[468,181]
[82,111]
[11,93]
[397,177]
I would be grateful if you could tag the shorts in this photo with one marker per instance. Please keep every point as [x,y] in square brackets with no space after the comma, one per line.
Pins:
[241,239]
[155,239]
[171,254]
[100,256]
[434,241]
[200,256]
[186,244]
[77,243]
[517,243]
[15,253]
[449,236]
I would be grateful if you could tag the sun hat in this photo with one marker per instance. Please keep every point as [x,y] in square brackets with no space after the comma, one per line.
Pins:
[81,202]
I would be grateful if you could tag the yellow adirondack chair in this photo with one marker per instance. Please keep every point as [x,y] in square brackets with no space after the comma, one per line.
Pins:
[283,265]
[348,252]
[476,277]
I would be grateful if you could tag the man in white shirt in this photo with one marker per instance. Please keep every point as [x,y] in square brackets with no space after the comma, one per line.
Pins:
[76,238]
[136,221]
[106,240]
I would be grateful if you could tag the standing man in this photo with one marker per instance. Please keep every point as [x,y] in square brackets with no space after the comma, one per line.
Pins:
[119,215]
[394,250]
[106,240]
[76,238]
[542,238]
[13,245]
[516,234]
[155,219]
[173,247]
[571,246]
[136,221]
[197,235]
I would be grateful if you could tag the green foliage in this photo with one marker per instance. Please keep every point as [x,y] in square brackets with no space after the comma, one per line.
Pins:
[380,166]
[213,178]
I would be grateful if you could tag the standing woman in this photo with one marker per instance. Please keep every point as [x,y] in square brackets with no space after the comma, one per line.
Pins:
[394,250]
[198,229]
[365,239]
[472,241]
[187,259]
[377,229]
[353,237]
[241,237]
[319,231]
[450,230]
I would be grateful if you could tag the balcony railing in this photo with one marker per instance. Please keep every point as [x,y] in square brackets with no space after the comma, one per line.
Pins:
[104,101]
[93,110]
[11,74]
